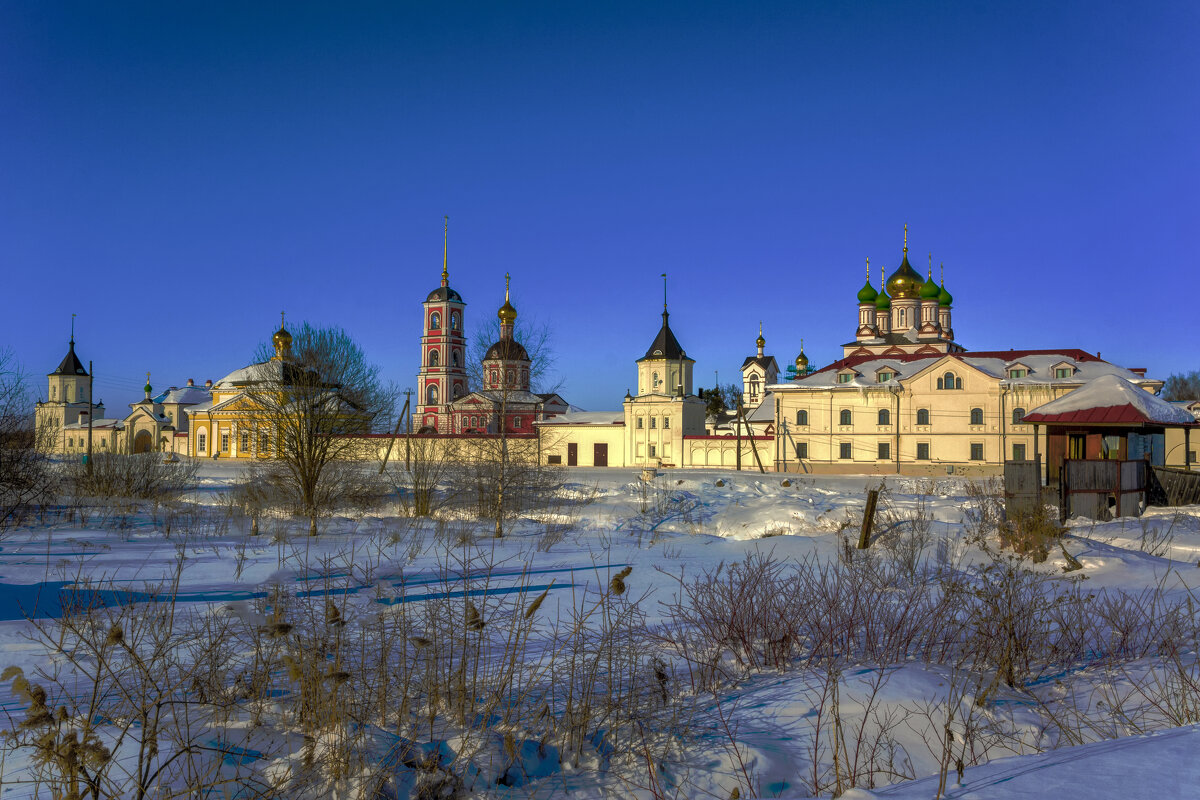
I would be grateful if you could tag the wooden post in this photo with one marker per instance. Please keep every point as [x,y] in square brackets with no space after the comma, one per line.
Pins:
[91,413]
[864,536]
[395,432]
[737,425]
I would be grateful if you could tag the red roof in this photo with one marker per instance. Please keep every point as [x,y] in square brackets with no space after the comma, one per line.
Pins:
[1126,414]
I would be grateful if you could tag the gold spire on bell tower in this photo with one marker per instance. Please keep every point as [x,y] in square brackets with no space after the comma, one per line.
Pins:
[282,339]
[906,238]
[445,250]
[507,314]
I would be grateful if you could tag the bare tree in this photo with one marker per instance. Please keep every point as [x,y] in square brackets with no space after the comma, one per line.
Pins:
[314,394]
[1182,386]
[25,475]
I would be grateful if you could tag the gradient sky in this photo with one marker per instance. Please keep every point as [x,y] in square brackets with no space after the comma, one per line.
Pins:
[179,172]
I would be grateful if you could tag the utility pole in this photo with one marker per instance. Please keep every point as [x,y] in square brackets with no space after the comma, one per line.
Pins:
[408,429]
[395,432]
[91,407]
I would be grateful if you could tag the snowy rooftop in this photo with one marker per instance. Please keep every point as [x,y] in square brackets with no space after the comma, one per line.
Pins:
[587,418]
[96,423]
[187,395]
[1111,399]
[1039,363]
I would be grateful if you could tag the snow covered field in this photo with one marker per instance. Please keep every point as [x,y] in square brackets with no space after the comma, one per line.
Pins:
[706,634]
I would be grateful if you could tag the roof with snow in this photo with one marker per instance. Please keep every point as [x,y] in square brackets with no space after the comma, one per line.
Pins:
[587,418]
[187,395]
[996,363]
[1110,400]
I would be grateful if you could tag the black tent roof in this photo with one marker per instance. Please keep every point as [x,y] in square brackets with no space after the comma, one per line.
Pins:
[71,365]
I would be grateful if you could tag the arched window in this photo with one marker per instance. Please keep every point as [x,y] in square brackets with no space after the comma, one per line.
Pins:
[844,417]
[457,391]
[1018,415]
[433,358]
[454,320]
[885,417]
[802,417]
[508,377]
[754,387]
[948,381]
[976,416]
[431,394]
[435,321]
[922,416]
[654,381]
[53,392]
[454,357]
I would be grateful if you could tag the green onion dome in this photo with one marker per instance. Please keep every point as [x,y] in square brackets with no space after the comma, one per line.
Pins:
[883,302]
[929,289]
[944,297]
[867,293]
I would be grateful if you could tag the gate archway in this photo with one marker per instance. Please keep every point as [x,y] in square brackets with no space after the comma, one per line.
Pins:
[143,442]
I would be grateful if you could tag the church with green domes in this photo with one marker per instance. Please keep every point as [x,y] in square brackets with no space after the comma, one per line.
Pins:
[908,315]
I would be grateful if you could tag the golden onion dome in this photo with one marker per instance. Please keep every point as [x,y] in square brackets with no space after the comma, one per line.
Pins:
[282,338]
[905,283]
[802,360]
[507,313]
[760,341]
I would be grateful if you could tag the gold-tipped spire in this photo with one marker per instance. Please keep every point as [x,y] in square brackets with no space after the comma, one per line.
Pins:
[868,270]
[930,273]
[507,314]
[906,238]
[445,250]
[664,277]
[760,342]
[73,329]
[282,340]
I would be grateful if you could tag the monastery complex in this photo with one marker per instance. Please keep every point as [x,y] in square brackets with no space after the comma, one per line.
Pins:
[905,398]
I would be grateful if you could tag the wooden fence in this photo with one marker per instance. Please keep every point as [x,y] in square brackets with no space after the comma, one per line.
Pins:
[1174,487]
[1103,488]
[1022,487]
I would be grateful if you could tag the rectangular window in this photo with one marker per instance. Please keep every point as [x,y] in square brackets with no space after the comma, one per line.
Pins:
[922,451]
[884,377]
[1018,452]
[801,449]
[553,459]
[652,451]
[1018,373]
[845,378]
[844,450]
[977,451]
[201,443]
[666,422]
[224,442]
[885,451]
[516,422]
[1062,372]
[653,423]
[245,446]
[70,441]
[639,422]
[104,442]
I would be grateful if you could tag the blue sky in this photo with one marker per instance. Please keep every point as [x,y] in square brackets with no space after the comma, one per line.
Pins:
[178,173]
